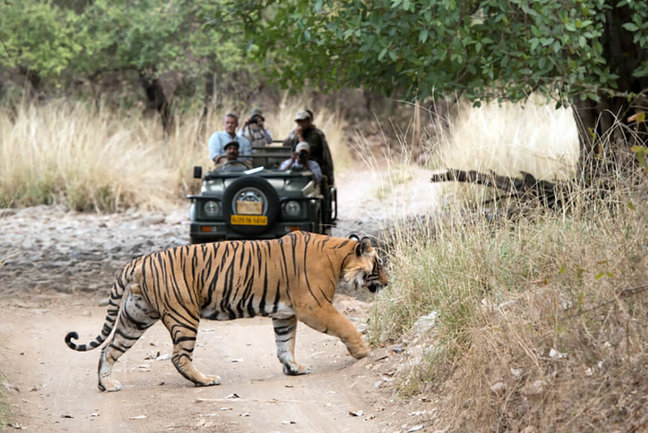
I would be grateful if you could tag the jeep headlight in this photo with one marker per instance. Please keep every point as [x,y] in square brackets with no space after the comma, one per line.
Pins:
[211,208]
[292,208]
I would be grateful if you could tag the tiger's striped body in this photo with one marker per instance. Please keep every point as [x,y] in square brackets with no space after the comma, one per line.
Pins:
[288,279]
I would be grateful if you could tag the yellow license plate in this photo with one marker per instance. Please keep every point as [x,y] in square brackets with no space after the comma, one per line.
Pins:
[249,220]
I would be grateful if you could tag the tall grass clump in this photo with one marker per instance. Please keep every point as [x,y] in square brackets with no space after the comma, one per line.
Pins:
[536,320]
[78,155]
[541,321]
[91,158]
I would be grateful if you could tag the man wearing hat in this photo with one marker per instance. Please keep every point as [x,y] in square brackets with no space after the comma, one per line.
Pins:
[231,156]
[300,159]
[254,130]
[219,139]
[306,132]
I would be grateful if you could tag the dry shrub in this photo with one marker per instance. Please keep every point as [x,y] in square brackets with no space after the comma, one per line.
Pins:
[531,329]
[539,362]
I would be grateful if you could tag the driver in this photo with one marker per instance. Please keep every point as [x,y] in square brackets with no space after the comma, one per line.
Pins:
[300,159]
[231,150]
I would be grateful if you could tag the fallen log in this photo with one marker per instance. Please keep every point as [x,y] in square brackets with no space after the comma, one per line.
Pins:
[525,188]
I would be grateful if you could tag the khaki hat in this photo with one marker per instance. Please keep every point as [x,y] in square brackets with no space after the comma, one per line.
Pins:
[302,146]
[301,115]
[231,143]
[256,112]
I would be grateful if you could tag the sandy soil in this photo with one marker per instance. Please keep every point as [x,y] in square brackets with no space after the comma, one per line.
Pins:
[59,266]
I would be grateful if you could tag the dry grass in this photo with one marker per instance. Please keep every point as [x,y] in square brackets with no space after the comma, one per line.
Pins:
[4,407]
[532,331]
[84,157]
[508,139]
[90,158]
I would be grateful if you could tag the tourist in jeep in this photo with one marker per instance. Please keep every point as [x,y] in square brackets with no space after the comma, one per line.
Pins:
[232,157]
[218,140]
[254,129]
[300,160]
[307,132]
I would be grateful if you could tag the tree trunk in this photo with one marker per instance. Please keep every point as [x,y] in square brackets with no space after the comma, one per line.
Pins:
[156,100]
[33,83]
[208,100]
[604,138]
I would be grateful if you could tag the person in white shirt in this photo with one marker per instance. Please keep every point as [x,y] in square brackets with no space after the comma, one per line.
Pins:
[300,159]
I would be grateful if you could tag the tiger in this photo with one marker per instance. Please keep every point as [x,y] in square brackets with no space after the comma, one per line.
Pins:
[288,279]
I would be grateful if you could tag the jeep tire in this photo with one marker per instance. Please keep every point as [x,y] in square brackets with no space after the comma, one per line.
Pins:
[261,186]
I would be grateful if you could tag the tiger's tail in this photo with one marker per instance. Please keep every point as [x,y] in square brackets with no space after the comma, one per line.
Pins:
[116,294]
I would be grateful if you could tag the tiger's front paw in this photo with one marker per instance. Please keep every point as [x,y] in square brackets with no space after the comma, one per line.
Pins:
[109,385]
[295,369]
[360,351]
[209,381]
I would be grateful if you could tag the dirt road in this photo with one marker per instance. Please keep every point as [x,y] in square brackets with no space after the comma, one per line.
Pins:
[58,265]
[53,389]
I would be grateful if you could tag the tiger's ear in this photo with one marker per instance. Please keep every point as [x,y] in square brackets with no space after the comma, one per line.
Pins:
[363,246]
[354,237]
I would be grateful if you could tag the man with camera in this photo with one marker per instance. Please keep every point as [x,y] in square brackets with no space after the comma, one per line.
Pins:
[300,160]
[306,131]
[254,129]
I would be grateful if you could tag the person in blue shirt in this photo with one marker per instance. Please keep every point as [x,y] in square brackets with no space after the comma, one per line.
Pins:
[218,140]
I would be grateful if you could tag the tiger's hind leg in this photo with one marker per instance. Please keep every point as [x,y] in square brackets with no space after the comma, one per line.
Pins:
[135,317]
[285,333]
[183,328]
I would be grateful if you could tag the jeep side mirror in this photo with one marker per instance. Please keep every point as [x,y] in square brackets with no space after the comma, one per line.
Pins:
[197,174]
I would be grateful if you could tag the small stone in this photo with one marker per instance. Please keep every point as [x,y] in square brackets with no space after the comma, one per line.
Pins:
[535,388]
[10,387]
[498,388]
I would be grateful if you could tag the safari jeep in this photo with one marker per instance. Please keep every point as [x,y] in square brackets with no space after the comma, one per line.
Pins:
[262,202]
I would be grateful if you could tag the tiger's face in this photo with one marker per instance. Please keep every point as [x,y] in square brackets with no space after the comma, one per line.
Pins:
[365,268]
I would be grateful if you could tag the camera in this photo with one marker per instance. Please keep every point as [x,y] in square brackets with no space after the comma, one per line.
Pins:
[303,154]
[253,120]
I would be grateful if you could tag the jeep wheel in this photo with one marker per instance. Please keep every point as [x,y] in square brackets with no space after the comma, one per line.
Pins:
[251,189]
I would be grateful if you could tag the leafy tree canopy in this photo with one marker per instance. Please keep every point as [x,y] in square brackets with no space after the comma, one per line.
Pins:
[482,49]
[37,37]
[62,39]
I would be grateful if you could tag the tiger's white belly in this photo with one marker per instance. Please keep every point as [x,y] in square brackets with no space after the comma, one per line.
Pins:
[283,311]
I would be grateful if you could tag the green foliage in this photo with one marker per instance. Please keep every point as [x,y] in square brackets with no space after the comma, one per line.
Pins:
[483,49]
[38,37]
[146,36]
[638,27]
[75,40]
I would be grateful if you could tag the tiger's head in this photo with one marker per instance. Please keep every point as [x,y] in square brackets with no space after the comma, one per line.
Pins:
[364,268]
